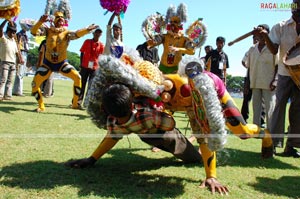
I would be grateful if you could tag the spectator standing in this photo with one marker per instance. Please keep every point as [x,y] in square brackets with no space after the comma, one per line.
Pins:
[247,92]
[22,41]
[9,55]
[207,50]
[217,60]
[262,66]
[148,53]
[283,36]
[90,50]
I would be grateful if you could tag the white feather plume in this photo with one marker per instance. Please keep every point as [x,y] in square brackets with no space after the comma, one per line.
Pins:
[182,12]
[217,136]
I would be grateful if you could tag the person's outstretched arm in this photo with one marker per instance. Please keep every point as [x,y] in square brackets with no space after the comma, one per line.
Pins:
[106,144]
[210,165]
[81,32]
[273,47]
[111,19]
[35,29]
[2,26]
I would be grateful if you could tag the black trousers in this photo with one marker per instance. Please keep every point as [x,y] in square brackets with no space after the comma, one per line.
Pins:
[247,95]
[87,76]
[176,143]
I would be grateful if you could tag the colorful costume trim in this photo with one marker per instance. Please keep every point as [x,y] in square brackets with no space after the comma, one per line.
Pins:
[9,8]
[193,68]
[197,32]
[153,25]
[174,42]
[171,58]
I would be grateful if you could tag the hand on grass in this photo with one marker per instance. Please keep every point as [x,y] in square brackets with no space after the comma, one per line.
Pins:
[81,163]
[214,186]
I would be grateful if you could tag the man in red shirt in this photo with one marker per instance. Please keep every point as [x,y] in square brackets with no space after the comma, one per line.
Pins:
[90,52]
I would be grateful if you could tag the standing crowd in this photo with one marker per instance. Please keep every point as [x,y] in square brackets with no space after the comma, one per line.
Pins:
[268,83]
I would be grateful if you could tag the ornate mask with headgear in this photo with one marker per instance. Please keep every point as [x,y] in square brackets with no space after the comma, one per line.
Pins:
[176,18]
[56,12]
[59,19]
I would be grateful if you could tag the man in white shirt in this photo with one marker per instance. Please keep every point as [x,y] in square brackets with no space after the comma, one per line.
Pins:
[261,64]
[8,56]
[283,36]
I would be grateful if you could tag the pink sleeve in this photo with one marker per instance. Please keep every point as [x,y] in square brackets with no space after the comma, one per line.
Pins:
[219,84]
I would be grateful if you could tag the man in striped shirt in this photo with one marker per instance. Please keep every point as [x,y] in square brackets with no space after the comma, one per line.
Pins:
[153,127]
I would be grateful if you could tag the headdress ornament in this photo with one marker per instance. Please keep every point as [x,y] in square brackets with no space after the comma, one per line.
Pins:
[9,8]
[208,113]
[63,9]
[179,16]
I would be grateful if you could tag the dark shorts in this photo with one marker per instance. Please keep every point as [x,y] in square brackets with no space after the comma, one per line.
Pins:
[54,67]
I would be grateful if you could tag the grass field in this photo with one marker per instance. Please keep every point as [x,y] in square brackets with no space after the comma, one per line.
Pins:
[34,146]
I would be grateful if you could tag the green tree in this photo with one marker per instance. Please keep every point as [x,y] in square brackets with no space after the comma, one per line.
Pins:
[234,83]
[32,57]
[74,59]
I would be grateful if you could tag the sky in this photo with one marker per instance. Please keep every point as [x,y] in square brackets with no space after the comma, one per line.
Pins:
[230,19]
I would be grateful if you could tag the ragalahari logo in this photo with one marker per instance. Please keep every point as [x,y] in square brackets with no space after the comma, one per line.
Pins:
[269,6]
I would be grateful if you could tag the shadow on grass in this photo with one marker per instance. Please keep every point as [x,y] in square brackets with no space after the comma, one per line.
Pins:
[31,107]
[130,175]
[124,176]
[34,104]
[285,186]
[235,157]
[9,109]
[78,116]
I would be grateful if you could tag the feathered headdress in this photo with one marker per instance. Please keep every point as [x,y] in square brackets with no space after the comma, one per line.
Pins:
[64,7]
[156,24]
[180,16]
[51,7]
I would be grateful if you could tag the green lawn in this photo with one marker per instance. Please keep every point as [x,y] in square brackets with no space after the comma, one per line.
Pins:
[34,146]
